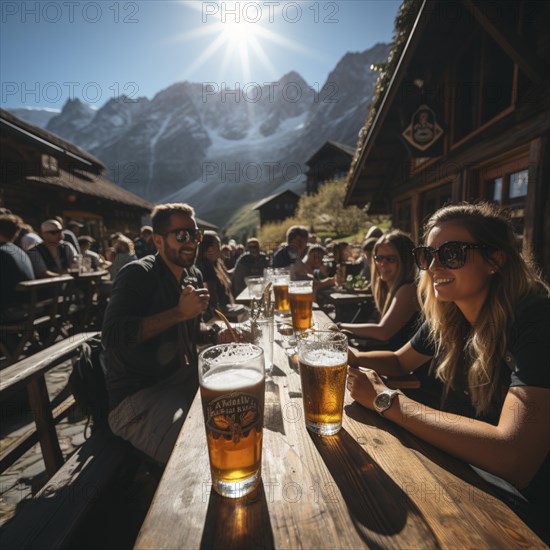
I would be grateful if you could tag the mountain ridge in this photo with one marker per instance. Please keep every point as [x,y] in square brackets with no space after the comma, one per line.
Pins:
[218,148]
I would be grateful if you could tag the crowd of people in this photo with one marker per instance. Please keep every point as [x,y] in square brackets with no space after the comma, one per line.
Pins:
[465,310]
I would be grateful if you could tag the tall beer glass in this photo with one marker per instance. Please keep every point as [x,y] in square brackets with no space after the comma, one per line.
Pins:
[280,278]
[323,357]
[232,385]
[300,294]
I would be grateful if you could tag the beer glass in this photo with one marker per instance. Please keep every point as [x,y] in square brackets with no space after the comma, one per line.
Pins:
[323,358]
[255,286]
[232,386]
[263,334]
[280,278]
[300,294]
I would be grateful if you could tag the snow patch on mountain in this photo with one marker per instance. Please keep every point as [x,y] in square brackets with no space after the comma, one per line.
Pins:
[218,148]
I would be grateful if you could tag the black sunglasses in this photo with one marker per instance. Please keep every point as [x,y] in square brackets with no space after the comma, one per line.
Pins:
[54,231]
[451,254]
[390,259]
[185,235]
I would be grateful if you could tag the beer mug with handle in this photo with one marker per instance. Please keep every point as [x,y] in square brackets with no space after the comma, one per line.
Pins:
[232,386]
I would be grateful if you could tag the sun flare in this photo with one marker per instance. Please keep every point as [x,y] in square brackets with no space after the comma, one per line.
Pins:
[239,40]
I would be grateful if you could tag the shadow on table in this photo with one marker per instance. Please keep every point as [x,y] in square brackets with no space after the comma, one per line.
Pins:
[238,523]
[434,459]
[378,507]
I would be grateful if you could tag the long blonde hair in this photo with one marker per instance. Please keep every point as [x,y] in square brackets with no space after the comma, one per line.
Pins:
[484,345]
[406,268]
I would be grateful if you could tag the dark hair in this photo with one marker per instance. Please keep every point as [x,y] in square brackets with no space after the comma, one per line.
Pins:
[209,238]
[10,225]
[338,250]
[295,231]
[160,217]
[368,244]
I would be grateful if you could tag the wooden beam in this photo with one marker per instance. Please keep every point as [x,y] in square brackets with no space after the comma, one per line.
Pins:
[47,434]
[507,39]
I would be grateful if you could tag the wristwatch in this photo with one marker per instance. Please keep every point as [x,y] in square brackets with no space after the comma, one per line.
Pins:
[382,402]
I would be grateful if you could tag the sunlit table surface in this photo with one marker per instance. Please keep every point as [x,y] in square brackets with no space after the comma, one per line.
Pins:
[373,485]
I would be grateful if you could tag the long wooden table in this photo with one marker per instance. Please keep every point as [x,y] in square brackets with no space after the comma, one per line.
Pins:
[373,485]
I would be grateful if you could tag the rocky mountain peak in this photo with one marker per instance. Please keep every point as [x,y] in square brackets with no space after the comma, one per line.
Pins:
[219,148]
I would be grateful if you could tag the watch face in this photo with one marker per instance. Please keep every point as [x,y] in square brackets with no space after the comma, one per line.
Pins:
[383,401]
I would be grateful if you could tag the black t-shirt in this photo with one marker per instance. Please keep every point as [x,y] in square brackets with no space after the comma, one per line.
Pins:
[143,288]
[528,358]
[284,256]
[527,363]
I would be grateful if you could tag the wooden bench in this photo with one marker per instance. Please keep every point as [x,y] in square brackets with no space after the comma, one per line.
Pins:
[54,514]
[47,302]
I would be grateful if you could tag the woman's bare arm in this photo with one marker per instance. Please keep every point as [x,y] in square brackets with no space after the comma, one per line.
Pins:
[402,308]
[514,449]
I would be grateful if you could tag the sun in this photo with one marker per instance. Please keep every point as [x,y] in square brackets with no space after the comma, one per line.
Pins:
[241,33]
[239,40]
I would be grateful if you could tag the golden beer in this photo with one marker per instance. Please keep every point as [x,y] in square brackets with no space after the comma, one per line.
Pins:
[323,371]
[301,300]
[233,407]
[280,291]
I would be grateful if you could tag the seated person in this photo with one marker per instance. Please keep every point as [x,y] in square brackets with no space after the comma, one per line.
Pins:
[144,245]
[215,276]
[367,248]
[123,253]
[53,256]
[16,267]
[250,264]
[315,268]
[394,291]
[340,264]
[95,260]
[487,321]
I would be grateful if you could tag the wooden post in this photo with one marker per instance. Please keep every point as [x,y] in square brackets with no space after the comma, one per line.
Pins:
[45,426]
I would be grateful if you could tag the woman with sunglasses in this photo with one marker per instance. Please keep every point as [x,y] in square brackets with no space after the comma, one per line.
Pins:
[393,286]
[487,326]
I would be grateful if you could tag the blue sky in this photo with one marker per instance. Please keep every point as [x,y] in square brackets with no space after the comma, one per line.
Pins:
[52,50]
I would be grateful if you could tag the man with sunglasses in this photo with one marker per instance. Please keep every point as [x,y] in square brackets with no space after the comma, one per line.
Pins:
[53,256]
[150,333]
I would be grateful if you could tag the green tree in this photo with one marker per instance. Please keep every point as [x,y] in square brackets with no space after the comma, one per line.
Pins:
[325,211]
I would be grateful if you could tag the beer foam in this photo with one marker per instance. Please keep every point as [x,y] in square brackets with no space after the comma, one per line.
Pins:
[300,291]
[231,379]
[324,358]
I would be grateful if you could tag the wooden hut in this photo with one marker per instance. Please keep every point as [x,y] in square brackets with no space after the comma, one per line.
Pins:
[462,113]
[42,176]
[330,162]
[276,208]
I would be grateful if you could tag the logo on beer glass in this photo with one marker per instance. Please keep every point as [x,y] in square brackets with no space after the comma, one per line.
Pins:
[233,416]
